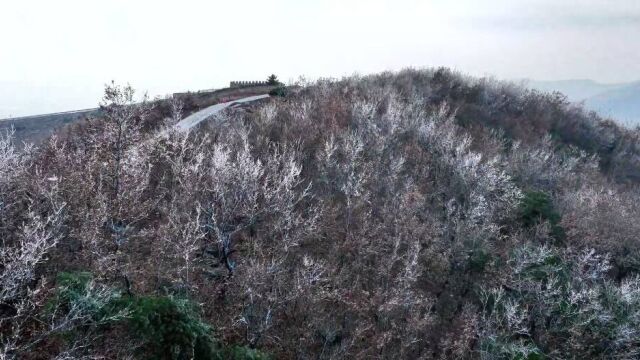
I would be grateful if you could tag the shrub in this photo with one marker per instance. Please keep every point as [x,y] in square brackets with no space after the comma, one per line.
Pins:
[242,353]
[72,285]
[169,327]
[279,91]
[83,299]
[536,207]
[478,259]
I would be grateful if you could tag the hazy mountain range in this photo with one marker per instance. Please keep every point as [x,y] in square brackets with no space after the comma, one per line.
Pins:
[620,101]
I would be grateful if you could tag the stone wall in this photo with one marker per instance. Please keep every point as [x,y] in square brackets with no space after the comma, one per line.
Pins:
[237,84]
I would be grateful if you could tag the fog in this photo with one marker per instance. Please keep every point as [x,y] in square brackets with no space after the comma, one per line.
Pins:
[56,56]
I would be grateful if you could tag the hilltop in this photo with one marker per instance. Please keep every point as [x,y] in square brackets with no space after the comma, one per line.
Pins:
[422,214]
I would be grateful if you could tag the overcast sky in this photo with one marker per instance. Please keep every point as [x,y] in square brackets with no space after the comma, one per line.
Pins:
[56,55]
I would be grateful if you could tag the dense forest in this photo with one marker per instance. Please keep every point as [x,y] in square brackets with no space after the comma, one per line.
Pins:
[422,214]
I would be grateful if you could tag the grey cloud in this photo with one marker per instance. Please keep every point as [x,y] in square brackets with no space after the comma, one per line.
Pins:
[558,22]
[568,14]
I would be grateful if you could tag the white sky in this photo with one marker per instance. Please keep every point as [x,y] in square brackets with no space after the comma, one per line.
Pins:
[56,55]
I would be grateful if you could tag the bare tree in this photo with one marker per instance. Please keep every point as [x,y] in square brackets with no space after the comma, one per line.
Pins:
[35,233]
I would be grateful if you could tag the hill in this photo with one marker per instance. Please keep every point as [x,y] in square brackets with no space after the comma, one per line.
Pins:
[422,214]
[36,128]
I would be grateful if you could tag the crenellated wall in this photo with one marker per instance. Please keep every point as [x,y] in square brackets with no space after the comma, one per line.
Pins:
[237,84]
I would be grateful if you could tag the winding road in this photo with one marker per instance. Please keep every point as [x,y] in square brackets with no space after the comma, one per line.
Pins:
[204,114]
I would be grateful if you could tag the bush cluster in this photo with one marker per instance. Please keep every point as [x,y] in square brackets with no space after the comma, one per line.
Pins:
[161,327]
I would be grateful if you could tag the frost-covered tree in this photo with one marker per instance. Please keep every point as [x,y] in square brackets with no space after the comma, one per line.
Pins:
[560,305]
[31,213]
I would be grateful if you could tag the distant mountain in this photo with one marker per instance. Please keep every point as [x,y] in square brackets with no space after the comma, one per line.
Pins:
[33,129]
[23,99]
[620,102]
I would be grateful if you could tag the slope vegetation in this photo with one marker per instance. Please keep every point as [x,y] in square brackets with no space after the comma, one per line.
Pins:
[414,215]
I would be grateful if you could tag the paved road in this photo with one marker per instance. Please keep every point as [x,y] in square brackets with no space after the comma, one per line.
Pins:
[202,115]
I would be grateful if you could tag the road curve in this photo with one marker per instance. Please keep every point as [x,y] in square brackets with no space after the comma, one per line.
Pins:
[202,115]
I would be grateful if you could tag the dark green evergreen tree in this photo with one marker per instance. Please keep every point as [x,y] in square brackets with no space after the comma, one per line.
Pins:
[273,80]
